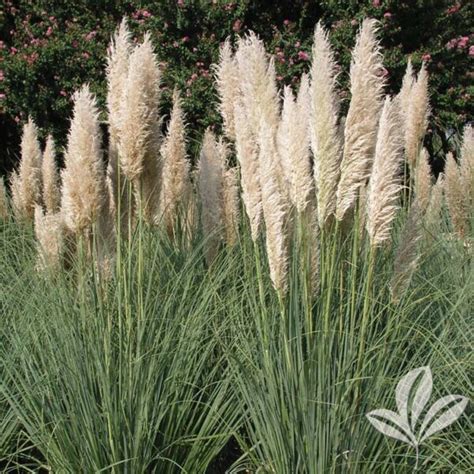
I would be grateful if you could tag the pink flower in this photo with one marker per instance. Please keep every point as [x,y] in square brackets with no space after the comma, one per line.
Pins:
[286,22]
[63,93]
[2,45]
[451,43]
[86,55]
[185,39]
[49,31]
[75,44]
[376,3]
[303,56]
[2,75]
[354,22]
[180,3]
[279,78]
[146,14]
[426,57]
[387,15]
[297,44]
[455,8]
[91,35]
[471,50]
[462,42]
[17,119]
[2,96]
[13,50]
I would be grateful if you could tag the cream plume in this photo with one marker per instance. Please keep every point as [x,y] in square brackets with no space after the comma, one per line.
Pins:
[26,189]
[175,166]
[423,180]
[139,114]
[360,130]
[275,209]
[293,145]
[51,189]
[227,80]
[407,254]
[4,211]
[326,141]
[433,211]
[211,171]
[83,177]
[247,155]
[457,197]
[50,240]
[467,163]
[405,92]
[118,56]
[385,180]
[416,120]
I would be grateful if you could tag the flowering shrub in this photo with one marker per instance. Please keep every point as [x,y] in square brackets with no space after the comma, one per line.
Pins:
[48,49]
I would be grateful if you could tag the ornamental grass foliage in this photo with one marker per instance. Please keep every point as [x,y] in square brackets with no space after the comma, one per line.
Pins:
[245,312]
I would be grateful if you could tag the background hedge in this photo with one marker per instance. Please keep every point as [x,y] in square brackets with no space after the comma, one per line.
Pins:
[49,47]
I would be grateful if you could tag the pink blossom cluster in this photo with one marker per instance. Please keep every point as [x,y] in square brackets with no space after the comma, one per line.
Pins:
[459,43]
[453,9]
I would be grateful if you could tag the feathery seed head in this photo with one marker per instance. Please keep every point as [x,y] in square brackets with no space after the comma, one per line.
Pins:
[423,180]
[3,200]
[51,189]
[50,239]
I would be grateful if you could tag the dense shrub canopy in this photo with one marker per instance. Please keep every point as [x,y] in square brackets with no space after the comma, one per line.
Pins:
[49,48]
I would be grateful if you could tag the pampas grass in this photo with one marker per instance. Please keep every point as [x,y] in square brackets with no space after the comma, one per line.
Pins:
[227,83]
[423,180]
[4,206]
[417,114]
[50,175]
[326,141]
[50,238]
[360,129]
[385,181]
[83,177]
[26,182]
[176,185]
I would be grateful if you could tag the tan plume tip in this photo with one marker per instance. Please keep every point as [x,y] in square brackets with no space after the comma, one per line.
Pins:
[51,189]
[4,212]
[423,180]
[367,84]
[118,56]
[457,197]
[407,254]
[247,155]
[50,240]
[139,112]
[211,172]
[326,141]
[175,166]
[293,145]
[385,180]
[227,81]
[275,209]
[467,163]
[27,188]
[83,177]
[418,112]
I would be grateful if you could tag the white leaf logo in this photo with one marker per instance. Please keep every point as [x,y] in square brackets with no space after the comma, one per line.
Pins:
[411,396]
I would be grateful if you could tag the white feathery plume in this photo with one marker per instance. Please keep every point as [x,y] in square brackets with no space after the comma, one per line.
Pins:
[405,91]
[467,163]
[49,234]
[247,155]
[385,181]
[175,166]
[26,188]
[227,81]
[360,131]
[435,206]
[83,177]
[275,209]
[326,141]
[423,180]
[416,121]
[211,172]
[118,56]
[51,187]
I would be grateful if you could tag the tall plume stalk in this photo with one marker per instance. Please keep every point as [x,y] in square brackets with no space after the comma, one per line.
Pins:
[467,164]
[50,240]
[118,57]
[326,142]
[247,155]
[275,209]
[51,188]
[457,197]
[227,81]
[435,206]
[26,182]
[83,177]
[211,172]
[176,186]
[423,180]
[385,181]
[293,145]
[404,95]
[417,114]
[360,130]
[4,212]
[140,128]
